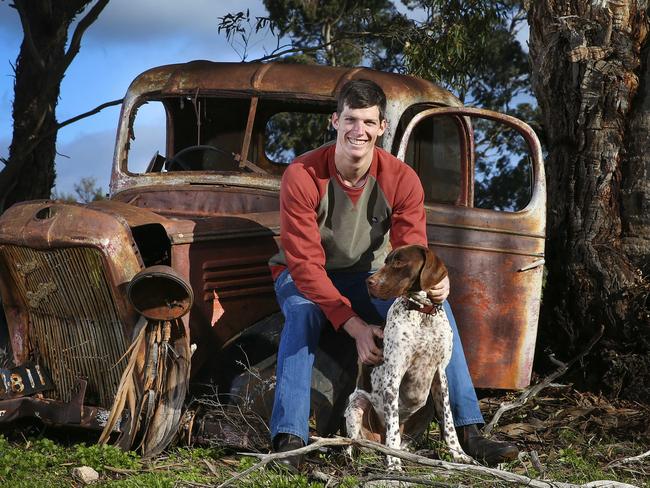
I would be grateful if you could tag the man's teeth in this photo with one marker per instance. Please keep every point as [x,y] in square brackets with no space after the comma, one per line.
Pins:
[357,142]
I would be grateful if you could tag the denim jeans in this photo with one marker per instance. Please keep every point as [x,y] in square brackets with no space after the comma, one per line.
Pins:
[299,341]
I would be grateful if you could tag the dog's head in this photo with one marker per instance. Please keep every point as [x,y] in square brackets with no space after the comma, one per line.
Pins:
[406,269]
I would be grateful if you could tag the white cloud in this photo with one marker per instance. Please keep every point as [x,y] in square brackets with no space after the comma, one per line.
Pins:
[153,20]
[88,155]
[4,147]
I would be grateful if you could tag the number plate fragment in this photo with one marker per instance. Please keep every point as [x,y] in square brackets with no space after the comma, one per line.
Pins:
[24,380]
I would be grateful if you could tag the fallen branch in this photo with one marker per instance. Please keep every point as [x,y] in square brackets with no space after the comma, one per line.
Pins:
[415,480]
[320,442]
[532,391]
[629,460]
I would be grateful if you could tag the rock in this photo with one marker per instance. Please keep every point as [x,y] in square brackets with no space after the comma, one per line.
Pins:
[85,474]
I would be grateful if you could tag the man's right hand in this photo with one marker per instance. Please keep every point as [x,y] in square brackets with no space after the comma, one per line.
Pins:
[365,336]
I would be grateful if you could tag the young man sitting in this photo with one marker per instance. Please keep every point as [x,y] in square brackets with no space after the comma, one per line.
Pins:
[342,206]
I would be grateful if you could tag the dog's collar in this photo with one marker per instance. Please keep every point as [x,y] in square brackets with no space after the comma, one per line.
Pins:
[422,304]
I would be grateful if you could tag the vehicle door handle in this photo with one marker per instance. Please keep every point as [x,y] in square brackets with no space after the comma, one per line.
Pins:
[533,265]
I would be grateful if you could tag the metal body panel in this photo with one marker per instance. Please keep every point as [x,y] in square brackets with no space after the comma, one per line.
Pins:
[495,268]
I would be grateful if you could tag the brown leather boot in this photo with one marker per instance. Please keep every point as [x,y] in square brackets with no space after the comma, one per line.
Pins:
[288,442]
[484,450]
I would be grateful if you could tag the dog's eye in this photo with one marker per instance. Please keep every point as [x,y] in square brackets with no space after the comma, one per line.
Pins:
[398,264]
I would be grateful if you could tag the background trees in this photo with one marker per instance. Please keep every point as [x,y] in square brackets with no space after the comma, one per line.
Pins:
[43,59]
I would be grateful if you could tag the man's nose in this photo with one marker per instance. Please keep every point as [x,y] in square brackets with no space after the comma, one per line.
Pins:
[358,126]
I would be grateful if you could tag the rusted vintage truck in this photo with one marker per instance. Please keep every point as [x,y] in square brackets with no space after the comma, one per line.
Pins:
[105,303]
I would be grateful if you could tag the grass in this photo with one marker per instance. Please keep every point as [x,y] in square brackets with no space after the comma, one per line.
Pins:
[575,435]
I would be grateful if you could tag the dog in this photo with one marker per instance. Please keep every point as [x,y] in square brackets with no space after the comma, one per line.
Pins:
[390,398]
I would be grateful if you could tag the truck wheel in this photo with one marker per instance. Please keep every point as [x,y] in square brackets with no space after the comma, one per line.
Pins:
[245,373]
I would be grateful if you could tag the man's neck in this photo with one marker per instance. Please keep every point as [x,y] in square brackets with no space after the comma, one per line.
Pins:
[352,175]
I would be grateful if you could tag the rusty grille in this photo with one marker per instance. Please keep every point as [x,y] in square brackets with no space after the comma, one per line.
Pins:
[75,331]
[236,277]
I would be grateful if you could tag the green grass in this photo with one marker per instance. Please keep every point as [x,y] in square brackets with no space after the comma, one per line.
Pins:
[567,453]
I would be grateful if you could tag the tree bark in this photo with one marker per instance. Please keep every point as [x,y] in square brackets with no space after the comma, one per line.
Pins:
[590,79]
[42,61]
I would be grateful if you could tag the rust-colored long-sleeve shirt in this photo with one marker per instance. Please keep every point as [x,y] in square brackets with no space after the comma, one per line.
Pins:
[326,226]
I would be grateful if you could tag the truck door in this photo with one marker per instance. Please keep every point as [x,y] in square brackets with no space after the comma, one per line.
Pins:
[467,159]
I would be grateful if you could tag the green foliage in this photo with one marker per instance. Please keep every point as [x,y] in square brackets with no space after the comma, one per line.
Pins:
[339,32]
[293,133]
[277,478]
[85,191]
[99,456]
[577,467]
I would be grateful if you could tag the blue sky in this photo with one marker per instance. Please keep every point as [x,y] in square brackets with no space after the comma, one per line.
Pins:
[128,38]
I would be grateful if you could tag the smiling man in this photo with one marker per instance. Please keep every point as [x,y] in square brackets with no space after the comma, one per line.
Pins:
[342,207]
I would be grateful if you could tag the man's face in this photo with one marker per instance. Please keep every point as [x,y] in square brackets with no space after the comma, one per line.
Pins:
[357,130]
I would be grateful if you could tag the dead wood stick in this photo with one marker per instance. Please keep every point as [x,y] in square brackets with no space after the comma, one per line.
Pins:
[416,480]
[628,460]
[537,464]
[435,463]
[532,391]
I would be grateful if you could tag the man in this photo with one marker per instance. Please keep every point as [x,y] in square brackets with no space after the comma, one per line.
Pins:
[342,205]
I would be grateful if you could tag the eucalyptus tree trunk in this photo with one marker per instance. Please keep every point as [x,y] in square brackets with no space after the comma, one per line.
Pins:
[42,61]
[590,75]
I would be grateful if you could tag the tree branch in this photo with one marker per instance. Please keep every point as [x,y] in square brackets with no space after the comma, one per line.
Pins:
[320,442]
[27,33]
[75,42]
[276,54]
[9,173]
[94,111]
[629,460]
[532,391]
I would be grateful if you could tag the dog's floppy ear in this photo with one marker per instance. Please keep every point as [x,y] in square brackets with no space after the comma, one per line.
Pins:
[433,270]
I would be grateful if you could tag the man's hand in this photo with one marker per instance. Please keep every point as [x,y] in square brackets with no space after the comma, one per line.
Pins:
[440,291]
[364,336]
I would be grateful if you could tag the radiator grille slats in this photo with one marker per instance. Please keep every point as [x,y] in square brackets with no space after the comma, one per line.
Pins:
[236,277]
[75,330]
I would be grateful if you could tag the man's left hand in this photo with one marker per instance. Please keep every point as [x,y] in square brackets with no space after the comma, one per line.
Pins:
[440,291]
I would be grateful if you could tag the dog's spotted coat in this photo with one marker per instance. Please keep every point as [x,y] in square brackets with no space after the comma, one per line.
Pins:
[417,349]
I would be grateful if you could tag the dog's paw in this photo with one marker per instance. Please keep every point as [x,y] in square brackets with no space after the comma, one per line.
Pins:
[394,463]
[461,457]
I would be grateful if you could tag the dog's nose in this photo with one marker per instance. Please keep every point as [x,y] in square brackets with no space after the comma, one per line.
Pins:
[372,281]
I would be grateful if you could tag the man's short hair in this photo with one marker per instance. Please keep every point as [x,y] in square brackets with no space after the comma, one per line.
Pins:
[362,94]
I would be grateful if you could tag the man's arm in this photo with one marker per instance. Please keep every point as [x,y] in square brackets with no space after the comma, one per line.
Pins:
[301,242]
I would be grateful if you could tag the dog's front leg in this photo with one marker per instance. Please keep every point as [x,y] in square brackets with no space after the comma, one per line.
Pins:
[440,392]
[391,413]
[358,403]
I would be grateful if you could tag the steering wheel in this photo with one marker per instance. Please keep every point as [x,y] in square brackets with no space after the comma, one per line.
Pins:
[177,159]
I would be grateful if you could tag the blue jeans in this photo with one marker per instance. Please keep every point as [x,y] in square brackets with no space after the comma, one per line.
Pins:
[299,341]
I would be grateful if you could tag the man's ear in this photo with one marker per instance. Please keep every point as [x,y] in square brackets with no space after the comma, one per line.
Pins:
[433,270]
[382,127]
[335,120]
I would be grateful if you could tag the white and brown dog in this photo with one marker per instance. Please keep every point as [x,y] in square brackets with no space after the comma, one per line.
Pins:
[390,397]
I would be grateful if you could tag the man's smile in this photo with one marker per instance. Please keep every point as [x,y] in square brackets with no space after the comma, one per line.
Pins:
[357,142]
